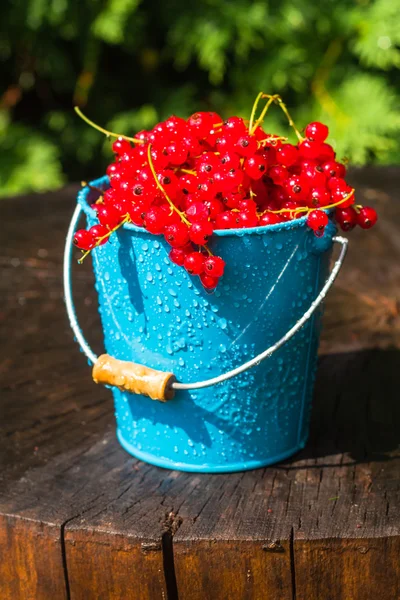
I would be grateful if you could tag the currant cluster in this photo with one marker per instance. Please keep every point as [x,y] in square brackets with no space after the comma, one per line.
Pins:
[186,178]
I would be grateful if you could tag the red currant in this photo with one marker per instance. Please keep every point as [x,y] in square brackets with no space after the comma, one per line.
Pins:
[214,265]
[319,197]
[255,166]
[210,283]
[197,212]
[287,155]
[83,239]
[194,263]
[317,220]
[177,235]
[297,188]
[177,255]
[346,218]
[367,217]
[246,145]
[225,220]
[269,218]
[317,132]
[108,216]
[215,207]
[246,219]
[120,146]
[278,174]
[155,220]
[200,233]
[332,168]
[97,232]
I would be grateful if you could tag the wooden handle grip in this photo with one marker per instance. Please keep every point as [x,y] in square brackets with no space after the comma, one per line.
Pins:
[131,377]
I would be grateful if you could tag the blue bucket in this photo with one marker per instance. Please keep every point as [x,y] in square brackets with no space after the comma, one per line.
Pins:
[155,314]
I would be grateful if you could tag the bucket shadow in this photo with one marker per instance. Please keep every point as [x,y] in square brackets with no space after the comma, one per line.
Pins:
[356,409]
[356,412]
[129,272]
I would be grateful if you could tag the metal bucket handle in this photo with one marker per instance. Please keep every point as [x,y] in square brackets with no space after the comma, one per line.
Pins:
[157,384]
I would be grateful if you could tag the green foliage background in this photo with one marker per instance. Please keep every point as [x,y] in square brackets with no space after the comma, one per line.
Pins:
[129,63]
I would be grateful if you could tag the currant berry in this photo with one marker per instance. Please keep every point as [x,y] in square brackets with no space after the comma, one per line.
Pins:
[246,145]
[319,197]
[314,174]
[187,183]
[225,220]
[235,126]
[201,122]
[317,132]
[177,235]
[98,232]
[83,239]
[246,219]
[197,212]
[177,255]
[287,155]
[120,146]
[346,218]
[137,215]
[317,220]
[269,218]
[332,168]
[255,166]
[155,220]
[367,217]
[200,233]
[194,263]
[327,153]
[310,149]
[229,160]
[214,266]
[278,174]
[297,188]
[108,216]
[215,207]
[209,282]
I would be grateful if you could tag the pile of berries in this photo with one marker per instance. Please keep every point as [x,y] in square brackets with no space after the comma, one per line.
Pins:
[186,178]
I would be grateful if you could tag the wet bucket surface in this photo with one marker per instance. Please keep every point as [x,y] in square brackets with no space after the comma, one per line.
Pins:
[156,314]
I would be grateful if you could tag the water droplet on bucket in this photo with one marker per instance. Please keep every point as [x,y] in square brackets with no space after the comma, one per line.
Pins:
[222,323]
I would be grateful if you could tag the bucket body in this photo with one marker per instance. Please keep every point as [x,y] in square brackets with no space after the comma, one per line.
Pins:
[155,314]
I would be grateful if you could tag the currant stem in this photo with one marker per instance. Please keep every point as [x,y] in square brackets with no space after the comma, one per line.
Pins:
[107,133]
[306,209]
[253,110]
[188,171]
[172,205]
[102,238]
[278,100]
[263,113]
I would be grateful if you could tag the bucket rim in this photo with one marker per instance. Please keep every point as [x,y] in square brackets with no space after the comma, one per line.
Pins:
[103,182]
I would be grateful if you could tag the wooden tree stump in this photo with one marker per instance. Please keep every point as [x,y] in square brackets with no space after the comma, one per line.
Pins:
[80,519]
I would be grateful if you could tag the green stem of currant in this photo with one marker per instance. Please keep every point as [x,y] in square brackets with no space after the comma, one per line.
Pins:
[172,205]
[107,133]
[306,209]
[104,237]
[278,100]
[253,110]
[263,113]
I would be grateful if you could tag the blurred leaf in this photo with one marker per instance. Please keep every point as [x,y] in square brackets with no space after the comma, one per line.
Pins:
[130,63]
[29,162]
[378,29]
